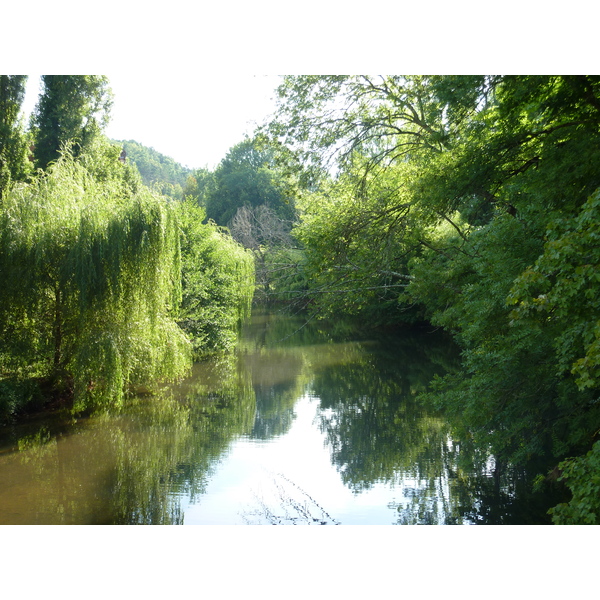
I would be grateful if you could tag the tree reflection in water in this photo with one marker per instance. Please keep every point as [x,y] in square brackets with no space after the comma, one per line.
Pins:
[131,466]
[137,465]
[378,432]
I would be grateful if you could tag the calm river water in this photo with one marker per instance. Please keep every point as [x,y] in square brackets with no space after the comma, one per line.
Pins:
[307,423]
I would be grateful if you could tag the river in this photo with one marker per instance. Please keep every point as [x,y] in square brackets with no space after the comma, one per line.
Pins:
[306,423]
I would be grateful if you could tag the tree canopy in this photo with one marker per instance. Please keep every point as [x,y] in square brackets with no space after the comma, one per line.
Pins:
[14,163]
[72,109]
[247,177]
[469,202]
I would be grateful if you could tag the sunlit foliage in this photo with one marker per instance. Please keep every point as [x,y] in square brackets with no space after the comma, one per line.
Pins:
[91,276]
[108,285]
[218,282]
[14,163]
[72,109]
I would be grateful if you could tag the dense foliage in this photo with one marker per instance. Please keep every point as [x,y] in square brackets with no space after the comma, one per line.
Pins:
[470,202]
[247,195]
[107,284]
[72,110]
[250,195]
[247,177]
[14,163]
[218,282]
[91,273]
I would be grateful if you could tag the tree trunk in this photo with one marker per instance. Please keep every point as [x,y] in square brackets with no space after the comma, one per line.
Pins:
[57,329]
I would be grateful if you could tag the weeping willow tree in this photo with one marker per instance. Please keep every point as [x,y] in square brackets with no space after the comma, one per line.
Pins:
[91,279]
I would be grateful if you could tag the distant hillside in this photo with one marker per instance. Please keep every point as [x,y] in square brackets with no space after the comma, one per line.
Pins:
[156,169]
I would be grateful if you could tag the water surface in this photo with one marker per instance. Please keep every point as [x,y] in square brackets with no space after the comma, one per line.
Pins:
[307,423]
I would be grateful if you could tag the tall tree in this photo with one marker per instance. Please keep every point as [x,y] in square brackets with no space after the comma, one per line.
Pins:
[13,142]
[71,109]
[246,177]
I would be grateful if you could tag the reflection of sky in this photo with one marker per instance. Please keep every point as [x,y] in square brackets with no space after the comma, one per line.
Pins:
[249,471]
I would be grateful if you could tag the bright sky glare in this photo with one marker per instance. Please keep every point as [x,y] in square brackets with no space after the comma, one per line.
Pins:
[194,120]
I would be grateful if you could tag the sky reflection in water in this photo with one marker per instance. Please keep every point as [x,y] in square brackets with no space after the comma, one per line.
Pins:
[319,427]
[259,482]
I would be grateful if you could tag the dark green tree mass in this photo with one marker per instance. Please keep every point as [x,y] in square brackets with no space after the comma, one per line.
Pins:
[72,109]
[14,163]
[470,202]
[246,177]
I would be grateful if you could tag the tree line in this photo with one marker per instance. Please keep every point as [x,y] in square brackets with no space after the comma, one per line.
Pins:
[161,172]
[107,284]
[470,203]
[465,202]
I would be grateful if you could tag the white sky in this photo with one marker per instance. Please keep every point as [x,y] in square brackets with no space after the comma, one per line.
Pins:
[194,120]
[183,74]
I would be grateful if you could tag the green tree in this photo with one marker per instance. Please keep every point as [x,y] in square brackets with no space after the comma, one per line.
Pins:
[582,476]
[523,387]
[366,143]
[14,163]
[72,109]
[246,177]
[91,267]
[199,185]
[480,193]
[217,279]
[108,284]
[255,199]
[357,245]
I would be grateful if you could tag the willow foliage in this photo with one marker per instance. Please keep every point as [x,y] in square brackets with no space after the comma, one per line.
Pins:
[91,278]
